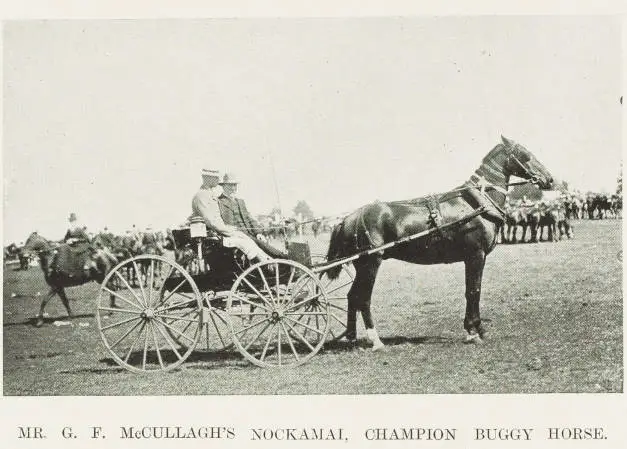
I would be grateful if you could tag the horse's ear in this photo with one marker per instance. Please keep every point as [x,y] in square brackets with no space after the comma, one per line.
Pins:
[506,141]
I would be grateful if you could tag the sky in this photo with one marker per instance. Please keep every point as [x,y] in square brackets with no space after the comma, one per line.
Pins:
[114,119]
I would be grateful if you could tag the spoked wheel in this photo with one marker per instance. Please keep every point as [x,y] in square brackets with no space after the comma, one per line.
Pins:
[337,291]
[156,321]
[278,313]
[215,335]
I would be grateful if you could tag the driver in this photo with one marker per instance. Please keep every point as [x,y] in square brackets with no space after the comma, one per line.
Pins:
[205,204]
[234,212]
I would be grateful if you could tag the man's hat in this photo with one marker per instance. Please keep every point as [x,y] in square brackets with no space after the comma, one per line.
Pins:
[229,178]
[72,217]
[207,172]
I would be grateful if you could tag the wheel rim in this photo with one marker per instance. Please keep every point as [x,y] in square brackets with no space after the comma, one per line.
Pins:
[156,299]
[337,291]
[278,314]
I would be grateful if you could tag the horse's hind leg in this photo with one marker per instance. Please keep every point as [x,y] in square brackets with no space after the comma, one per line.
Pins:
[474,274]
[360,296]
[44,301]
[65,301]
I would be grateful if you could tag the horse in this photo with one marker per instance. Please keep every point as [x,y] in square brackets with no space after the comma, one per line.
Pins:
[514,218]
[470,238]
[549,219]
[63,266]
[533,217]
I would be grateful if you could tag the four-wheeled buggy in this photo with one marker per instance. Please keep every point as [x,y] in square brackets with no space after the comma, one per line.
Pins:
[275,313]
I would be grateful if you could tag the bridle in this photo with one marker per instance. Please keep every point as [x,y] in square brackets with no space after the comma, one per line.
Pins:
[532,179]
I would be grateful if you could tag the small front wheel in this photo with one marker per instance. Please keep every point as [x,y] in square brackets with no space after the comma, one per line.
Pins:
[278,313]
[337,295]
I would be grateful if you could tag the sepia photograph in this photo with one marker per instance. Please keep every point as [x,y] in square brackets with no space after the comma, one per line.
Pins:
[312,206]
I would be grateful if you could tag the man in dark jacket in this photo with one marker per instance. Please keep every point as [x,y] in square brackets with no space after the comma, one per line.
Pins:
[235,213]
[233,210]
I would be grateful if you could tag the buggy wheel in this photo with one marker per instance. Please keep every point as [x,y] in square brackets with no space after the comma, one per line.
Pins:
[215,334]
[138,330]
[278,313]
[337,292]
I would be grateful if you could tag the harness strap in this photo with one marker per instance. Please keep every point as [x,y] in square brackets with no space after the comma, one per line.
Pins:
[482,184]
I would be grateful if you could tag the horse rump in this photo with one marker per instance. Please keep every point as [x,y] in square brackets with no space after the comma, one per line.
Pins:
[336,245]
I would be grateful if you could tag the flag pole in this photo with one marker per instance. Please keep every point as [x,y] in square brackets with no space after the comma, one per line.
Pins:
[276,184]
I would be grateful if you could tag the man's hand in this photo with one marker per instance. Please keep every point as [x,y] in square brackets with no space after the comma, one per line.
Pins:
[227,230]
[262,238]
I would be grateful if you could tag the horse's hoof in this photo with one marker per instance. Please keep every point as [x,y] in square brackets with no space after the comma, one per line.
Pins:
[379,348]
[473,339]
[39,323]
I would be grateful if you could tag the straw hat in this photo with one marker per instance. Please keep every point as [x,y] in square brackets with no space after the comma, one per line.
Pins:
[211,173]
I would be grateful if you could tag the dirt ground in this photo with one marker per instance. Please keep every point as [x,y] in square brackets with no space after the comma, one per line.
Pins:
[553,312]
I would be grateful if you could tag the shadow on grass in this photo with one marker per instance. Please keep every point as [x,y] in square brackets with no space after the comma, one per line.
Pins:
[343,345]
[47,320]
[231,358]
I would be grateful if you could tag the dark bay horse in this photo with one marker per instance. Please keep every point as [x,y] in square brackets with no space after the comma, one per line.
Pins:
[470,242]
[62,266]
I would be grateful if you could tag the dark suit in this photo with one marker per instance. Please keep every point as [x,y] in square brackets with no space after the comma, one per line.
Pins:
[235,213]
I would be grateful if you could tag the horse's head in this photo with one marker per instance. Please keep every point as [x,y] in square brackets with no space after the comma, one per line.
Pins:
[522,163]
[36,243]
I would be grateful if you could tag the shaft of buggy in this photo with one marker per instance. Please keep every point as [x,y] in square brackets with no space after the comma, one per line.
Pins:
[377,249]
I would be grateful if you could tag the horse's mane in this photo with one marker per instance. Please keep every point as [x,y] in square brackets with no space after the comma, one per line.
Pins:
[493,152]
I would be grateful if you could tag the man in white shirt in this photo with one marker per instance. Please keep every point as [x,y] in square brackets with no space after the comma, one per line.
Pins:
[205,204]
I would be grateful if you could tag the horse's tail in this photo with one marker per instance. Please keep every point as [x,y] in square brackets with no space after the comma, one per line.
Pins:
[335,250]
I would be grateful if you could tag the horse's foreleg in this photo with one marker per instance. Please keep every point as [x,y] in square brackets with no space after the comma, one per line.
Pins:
[474,273]
[44,301]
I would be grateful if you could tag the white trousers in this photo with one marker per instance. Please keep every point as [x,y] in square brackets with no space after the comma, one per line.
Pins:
[245,244]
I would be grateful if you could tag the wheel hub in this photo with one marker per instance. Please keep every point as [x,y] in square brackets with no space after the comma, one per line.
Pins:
[276,316]
[148,314]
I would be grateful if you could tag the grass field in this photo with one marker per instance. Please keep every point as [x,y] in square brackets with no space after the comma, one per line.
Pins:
[553,312]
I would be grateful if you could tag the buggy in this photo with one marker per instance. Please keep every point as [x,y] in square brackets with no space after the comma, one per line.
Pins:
[275,313]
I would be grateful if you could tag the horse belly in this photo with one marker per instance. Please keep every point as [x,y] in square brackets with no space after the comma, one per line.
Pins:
[427,253]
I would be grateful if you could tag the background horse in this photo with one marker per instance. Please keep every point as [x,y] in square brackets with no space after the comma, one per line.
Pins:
[14,252]
[469,242]
[62,265]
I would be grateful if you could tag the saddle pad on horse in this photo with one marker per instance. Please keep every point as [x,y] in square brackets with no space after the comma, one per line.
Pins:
[70,259]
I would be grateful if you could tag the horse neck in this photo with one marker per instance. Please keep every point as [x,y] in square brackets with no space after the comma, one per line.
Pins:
[39,245]
[493,171]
